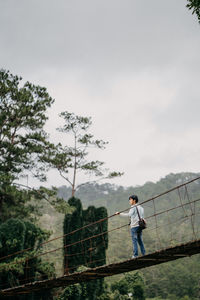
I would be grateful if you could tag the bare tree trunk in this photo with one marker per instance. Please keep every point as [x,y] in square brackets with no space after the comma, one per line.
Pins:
[1,207]
[75,168]
[73,191]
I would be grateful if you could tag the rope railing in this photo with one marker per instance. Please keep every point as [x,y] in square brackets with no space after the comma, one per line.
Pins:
[101,220]
[158,219]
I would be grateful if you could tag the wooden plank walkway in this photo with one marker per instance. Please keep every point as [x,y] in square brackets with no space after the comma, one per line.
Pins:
[158,257]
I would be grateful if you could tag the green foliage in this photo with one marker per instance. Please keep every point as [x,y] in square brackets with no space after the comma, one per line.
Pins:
[23,142]
[14,203]
[12,236]
[194,5]
[121,286]
[50,196]
[24,145]
[72,222]
[117,296]
[93,249]
[16,236]
[100,242]
[180,278]
[34,235]
[130,284]
[27,205]
[72,292]
[91,252]
[85,291]
[91,289]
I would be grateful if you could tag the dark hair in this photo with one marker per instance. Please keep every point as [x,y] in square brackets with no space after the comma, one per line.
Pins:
[134,197]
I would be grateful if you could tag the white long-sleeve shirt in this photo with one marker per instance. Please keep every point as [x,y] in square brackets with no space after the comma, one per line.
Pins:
[133,215]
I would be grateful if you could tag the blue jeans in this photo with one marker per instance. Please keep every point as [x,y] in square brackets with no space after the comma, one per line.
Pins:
[136,234]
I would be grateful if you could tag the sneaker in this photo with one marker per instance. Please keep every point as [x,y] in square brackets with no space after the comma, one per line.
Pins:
[133,256]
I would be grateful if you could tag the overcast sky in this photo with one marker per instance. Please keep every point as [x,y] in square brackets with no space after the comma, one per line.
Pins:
[132,65]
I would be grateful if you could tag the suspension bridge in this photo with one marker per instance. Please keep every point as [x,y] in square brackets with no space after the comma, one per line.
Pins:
[168,215]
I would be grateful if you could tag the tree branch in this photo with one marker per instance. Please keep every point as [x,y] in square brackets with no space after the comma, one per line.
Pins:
[65,178]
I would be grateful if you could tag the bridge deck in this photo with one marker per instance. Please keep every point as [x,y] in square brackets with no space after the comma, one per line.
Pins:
[158,257]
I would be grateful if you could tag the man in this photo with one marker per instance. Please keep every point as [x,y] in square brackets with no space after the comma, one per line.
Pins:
[136,231]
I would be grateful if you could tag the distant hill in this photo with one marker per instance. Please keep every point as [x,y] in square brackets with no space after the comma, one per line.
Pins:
[115,198]
[177,279]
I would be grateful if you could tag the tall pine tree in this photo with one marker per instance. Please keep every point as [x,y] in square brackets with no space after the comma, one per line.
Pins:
[24,145]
